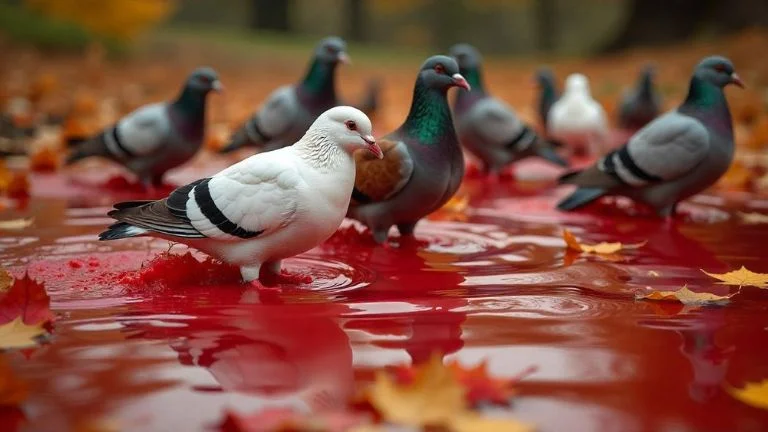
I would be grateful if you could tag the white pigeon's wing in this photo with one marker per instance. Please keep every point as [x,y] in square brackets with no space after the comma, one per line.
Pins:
[495,122]
[278,113]
[255,197]
[667,148]
[141,132]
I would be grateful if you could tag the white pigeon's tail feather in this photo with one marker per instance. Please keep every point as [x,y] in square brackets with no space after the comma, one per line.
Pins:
[121,230]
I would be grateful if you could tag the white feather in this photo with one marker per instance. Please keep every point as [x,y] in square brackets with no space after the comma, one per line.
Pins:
[577,119]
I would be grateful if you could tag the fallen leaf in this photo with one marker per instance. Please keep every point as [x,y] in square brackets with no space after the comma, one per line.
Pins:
[26,300]
[433,398]
[753,394]
[6,280]
[13,391]
[741,277]
[16,224]
[602,248]
[686,296]
[476,423]
[46,159]
[753,218]
[16,334]
[481,387]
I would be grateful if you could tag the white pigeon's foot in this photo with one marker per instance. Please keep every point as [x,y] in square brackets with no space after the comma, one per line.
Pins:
[250,273]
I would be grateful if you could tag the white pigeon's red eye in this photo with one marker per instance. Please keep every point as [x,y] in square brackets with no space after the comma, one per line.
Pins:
[439,68]
[351,125]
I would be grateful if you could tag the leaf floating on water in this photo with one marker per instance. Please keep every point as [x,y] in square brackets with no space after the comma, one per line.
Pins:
[476,423]
[16,334]
[753,218]
[286,419]
[25,299]
[753,394]
[685,296]
[603,248]
[741,277]
[433,398]
[481,387]
[16,224]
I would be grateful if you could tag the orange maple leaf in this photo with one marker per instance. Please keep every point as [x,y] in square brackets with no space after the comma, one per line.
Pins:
[741,277]
[603,248]
[686,296]
[482,387]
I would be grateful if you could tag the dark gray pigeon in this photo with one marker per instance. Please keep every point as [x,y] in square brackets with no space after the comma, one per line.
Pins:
[642,104]
[290,110]
[675,156]
[488,127]
[157,137]
[423,164]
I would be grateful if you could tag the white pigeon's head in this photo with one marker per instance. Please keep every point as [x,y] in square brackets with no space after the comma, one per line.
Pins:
[348,128]
[577,84]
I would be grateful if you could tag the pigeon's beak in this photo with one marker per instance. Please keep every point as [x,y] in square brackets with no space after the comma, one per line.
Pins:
[459,81]
[344,58]
[736,79]
[217,86]
[372,146]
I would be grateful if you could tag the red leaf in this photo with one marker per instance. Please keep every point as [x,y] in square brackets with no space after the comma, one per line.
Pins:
[27,299]
[481,387]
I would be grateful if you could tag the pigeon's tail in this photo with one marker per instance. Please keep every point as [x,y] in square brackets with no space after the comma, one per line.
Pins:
[95,146]
[546,151]
[121,230]
[74,141]
[580,198]
[249,135]
[370,102]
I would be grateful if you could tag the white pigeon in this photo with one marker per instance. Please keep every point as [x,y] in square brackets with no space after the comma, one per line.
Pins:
[577,120]
[266,208]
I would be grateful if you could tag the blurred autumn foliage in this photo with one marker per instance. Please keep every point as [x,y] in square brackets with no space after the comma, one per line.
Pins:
[119,19]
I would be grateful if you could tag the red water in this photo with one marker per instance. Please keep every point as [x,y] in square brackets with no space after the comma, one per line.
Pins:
[149,352]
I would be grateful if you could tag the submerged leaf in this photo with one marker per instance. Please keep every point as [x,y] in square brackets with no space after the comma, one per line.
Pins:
[753,394]
[741,277]
[17,334]
[686,296]
[753,218]
[16,224]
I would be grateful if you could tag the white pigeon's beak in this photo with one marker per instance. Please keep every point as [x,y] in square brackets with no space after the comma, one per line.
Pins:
[459,81]
[372,146]
[736,79]
[217,86]
[344,58]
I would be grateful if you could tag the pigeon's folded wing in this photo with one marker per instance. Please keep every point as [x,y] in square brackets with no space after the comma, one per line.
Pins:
[666,149]
[379,179]
[252,198]
[143,131]
[278,113]
[495,122]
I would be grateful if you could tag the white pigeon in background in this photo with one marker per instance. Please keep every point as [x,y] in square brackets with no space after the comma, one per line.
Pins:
[577,120]
[266,208]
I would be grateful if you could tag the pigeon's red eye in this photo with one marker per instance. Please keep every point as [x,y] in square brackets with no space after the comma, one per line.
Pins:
[720,67]
[330,50]
[351,125]
[439,68]
[205,79]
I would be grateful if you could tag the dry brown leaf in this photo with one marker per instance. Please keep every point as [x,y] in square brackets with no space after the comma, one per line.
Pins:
[686,296]
[741,277]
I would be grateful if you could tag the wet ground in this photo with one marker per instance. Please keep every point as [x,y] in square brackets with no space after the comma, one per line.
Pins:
[491,282]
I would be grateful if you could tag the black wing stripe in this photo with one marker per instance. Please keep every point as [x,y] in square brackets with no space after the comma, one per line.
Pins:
[626,160]
[360,197]
[252,128]
[519,141]
[215,216]
[177,200]
[119,143]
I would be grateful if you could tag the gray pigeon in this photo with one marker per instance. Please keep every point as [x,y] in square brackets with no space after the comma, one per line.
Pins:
[642,104]
[157,137]
[548,94]
[675,156]
[291,109]
[422,165]
[488,127]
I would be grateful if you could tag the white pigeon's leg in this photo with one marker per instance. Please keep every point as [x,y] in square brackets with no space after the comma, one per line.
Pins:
[250,273]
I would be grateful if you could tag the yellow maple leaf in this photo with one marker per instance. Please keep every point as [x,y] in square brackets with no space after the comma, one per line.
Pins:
[433,398]
[686,296]
[603,248]
[476,423]
[741,277]
[753,218]
[753,394]
[15,224]
[6,280]
[16,334]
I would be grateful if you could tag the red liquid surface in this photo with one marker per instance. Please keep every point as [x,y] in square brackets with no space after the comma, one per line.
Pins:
[168,345]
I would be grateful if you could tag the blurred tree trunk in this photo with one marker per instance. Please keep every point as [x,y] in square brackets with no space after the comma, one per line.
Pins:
[546,24]
[357,20]
[660,22]
[271,15]
[447,19]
